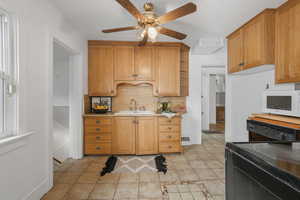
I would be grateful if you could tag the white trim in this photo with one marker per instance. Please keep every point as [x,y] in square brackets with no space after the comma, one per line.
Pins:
[76,140]
[39,191]
[12,143]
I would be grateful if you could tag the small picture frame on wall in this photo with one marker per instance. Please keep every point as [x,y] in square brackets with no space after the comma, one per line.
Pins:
[102,101]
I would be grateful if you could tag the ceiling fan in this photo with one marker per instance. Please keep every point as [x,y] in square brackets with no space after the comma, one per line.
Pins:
[150,23]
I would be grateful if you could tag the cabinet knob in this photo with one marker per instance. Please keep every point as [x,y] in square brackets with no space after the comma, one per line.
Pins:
[135,75]
[97,129]
[242,64]
[170,147]
[170,128]
[169,121]
[98,137]
[98,148]
[97,121]
[112,91]
[169,136]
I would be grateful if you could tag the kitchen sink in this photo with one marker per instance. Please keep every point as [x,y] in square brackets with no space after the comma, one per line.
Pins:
[138,112]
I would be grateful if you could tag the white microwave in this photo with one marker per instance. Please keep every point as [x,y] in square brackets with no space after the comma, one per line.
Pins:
[282,103]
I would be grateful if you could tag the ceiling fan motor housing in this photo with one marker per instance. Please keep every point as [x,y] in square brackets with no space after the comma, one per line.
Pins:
[148,7]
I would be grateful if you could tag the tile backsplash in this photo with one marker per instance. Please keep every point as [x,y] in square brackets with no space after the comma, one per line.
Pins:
[143,94]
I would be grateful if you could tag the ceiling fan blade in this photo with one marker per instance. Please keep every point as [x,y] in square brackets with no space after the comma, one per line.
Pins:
[131,9]
[171,33]
[177,13]
[129,28]
[144,41]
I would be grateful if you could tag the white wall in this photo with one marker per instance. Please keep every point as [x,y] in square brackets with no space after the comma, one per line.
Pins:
[61,81]
[191,126]
[244,97]
[24,171]
[212,99]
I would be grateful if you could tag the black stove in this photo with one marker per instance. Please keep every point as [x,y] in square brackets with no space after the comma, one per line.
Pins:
[273,132]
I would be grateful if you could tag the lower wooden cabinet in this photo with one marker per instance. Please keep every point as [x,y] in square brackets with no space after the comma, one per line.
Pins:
[124,135]
[132,135]
[146,136]
[169,135]
[97,135]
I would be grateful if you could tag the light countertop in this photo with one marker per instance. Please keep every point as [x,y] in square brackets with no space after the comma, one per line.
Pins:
[126,115]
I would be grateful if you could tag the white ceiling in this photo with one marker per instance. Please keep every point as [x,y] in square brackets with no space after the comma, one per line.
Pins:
[214,18]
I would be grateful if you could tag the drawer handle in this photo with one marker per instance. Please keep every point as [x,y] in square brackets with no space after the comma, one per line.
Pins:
[170,147]
[169,136]
[170,128]
[98,137]
[98,148]
[98,129]
[97,121]
[169,121]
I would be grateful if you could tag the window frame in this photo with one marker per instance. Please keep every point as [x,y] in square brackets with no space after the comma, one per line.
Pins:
[10,79]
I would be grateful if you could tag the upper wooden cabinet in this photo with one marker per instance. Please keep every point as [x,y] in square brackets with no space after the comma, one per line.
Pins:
[100,68]
[165,65]
[168,71]
[235,49]
[252,45]
[288,42]
[124,63]
[143,62]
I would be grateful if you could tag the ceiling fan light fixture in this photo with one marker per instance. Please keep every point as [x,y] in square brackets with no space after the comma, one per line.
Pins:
[153,33]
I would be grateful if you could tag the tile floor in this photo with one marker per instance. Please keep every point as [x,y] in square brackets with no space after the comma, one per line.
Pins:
[196,174]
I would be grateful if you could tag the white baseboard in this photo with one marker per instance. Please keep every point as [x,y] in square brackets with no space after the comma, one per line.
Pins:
[39,191]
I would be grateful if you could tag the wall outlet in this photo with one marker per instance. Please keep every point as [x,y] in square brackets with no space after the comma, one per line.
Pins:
[185,139]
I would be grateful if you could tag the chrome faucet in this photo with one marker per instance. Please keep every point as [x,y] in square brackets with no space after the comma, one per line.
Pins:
[133,101]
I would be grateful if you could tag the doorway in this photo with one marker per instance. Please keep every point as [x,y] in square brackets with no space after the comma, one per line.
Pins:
[61,103]
[213,100]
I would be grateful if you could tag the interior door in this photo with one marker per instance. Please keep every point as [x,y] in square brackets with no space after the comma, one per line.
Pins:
[100,70]
[147,135]
[168,71]
[235,52]
[143,61]
[124,63]
[253,38]
[124,131]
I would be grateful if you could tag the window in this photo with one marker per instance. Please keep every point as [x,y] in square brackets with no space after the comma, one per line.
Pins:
[8,76]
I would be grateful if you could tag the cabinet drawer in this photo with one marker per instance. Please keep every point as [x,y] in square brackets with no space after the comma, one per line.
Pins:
[100,148]
[169,147]
[97,121]
[167,121]
[170,128]
[169,137]
[95,139]
[98,129]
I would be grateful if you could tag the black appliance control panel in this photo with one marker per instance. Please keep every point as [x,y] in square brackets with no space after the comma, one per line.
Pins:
[271,131]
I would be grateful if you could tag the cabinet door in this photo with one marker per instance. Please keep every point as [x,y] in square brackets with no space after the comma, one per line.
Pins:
[168,71]
[123,139]
[143,60]
[235,52]
[253,38]
[147,136]
[100,71]
[282,44]
[294,57]
[124,63]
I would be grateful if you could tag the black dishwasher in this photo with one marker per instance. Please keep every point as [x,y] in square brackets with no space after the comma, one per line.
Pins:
[260,172]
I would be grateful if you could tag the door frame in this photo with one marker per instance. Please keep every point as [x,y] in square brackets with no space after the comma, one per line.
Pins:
[206,71]
[76,104]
